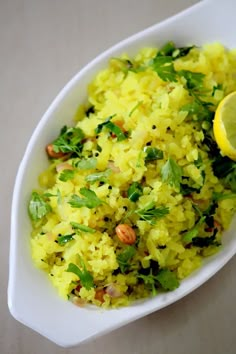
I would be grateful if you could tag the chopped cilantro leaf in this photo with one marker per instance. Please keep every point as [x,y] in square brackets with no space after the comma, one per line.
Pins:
[117,131]
[86,164]
[134,108]
[90,201]
[167,49]
[171,173]
[150,281]
[189,235]
[219,196]
[124,258]
[167,279]
[86,279]
[103,124]
[164,67]
[84,228]
[153,153]
[98,176]
[217,87]
[151,213]
[38,207]
[198,110]
[58,195]
[182,51]
[63,239]
[134,191]
[66,175]
[198,163]
[194,81]
[69,141]
[113,128]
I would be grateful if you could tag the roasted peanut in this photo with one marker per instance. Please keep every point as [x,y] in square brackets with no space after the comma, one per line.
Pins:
[126,234]
[51,153]
[100,295]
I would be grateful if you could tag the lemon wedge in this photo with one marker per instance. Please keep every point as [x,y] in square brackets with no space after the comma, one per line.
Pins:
[224,125]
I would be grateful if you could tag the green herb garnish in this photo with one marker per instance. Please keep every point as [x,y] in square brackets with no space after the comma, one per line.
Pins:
[98,176]
[169,49]
[63,239]
[124,258]
[135,191]
[164,67]
[58,195]
[112,127]
[151,213]
[171,173]
[86,279]
[86,164]
[134,108]
[219,196]
[84,228]
[192,233]
[69,141]
[67,175]
[90,199]
[38,207]
[153,153]
[167,279]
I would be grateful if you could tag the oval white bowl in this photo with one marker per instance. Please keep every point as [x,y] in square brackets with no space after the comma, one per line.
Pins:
[32,299]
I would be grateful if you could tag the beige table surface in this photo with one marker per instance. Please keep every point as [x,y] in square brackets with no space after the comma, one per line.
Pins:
[43,43]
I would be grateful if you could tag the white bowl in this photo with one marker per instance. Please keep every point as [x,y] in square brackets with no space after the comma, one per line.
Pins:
[32,299]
